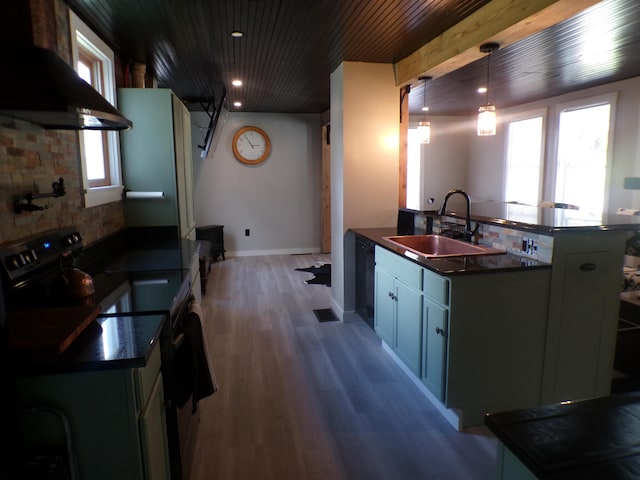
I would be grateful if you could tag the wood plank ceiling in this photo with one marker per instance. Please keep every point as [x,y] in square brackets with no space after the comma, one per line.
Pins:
[291,47]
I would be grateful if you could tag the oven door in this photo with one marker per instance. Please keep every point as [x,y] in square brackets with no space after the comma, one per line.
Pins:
[193,375]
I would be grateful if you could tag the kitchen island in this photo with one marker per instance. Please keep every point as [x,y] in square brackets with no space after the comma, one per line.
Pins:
[569,311]
[464,328]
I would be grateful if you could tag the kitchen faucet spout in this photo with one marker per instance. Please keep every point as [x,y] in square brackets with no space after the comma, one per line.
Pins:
[468,231]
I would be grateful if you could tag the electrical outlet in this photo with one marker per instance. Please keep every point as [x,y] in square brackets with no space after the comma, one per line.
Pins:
[529,246]
[246,232]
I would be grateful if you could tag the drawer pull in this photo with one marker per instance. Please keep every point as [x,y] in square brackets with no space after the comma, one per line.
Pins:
[588,267]
[439,331]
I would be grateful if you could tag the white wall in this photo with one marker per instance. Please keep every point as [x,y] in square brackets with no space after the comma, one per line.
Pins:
[278,200]
[443,161]
[365,108]
[486,160]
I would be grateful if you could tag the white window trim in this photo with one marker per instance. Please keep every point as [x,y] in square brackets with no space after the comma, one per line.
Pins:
[526,115]
[554,133]
[94,196]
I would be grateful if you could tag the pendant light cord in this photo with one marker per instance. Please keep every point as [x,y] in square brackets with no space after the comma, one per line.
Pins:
[424,96]
[488,76]
[489,48]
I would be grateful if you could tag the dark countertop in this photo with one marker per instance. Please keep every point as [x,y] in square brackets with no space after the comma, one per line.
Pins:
[454,265]
[108,343]
[124,339]
[544,220]
[590,439]
[141,249]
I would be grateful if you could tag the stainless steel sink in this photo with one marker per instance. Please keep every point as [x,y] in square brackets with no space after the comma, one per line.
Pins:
[436,246]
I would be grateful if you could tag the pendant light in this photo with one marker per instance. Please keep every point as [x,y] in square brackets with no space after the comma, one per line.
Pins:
[424,127]
[487,112]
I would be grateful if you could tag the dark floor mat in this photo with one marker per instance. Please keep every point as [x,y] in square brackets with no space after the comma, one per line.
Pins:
[325,315]
[322,274]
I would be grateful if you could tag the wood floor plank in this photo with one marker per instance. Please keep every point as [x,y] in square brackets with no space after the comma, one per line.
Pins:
[306,400]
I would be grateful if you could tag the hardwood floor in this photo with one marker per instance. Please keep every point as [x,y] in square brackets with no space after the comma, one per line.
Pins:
[300,399]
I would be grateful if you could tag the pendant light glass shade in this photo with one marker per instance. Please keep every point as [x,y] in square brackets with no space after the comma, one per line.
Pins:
[487,120]
[424,132]
[487,113]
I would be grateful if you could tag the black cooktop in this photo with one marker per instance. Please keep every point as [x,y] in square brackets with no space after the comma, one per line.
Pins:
[138,292]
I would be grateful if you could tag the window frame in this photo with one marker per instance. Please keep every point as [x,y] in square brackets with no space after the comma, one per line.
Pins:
[98,192]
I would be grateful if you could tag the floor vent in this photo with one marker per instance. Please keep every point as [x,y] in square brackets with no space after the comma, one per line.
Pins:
[325,315]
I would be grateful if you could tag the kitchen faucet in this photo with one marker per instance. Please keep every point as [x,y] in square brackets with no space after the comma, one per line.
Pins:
[468,232]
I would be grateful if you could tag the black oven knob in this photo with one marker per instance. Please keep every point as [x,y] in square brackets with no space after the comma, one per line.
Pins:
[71,239]
[13,262]
[34,255]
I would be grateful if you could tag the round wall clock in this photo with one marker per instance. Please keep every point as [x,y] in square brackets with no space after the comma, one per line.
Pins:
[251,145]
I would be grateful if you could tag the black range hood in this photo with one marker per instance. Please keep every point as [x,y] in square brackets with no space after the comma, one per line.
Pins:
[36,85]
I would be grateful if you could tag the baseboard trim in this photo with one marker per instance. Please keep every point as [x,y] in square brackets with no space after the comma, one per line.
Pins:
[284,251]
[452,415]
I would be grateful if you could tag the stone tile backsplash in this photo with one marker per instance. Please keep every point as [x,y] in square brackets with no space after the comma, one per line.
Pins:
[504,238]
[32,158]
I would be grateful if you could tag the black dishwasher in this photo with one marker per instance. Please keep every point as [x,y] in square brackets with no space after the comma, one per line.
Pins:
[365,265]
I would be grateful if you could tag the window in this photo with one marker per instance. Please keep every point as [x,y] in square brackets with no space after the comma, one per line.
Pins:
[576,164]
[524,160]
[100,152]
[581,167]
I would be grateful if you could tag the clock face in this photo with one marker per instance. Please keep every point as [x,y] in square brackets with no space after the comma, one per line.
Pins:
[251,145]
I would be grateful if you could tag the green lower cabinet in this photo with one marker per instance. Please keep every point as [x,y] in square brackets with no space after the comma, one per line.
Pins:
[115,420]
[476,342]
[510,467]
[409,326]
[398,307]
[434,341]
[385,306]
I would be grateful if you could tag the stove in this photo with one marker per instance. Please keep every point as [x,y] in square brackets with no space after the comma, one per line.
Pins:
[136,283]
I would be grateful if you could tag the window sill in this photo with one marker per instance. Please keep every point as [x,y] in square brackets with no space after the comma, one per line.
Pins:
[102,195]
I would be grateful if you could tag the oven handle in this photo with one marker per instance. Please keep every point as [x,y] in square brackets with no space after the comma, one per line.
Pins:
[177,341]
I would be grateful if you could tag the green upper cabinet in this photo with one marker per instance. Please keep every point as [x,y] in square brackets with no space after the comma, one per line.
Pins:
[156,156]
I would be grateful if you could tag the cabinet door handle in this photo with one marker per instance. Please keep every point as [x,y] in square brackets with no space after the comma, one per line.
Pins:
[439,331]
[588,267]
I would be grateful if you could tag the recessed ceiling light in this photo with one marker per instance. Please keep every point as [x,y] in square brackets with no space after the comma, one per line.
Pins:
[237,34]
[482,89]
[237,104]
[236,83]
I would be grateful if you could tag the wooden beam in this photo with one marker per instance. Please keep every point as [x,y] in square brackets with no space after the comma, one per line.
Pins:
[501,21]
[403,152]
[325,193]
